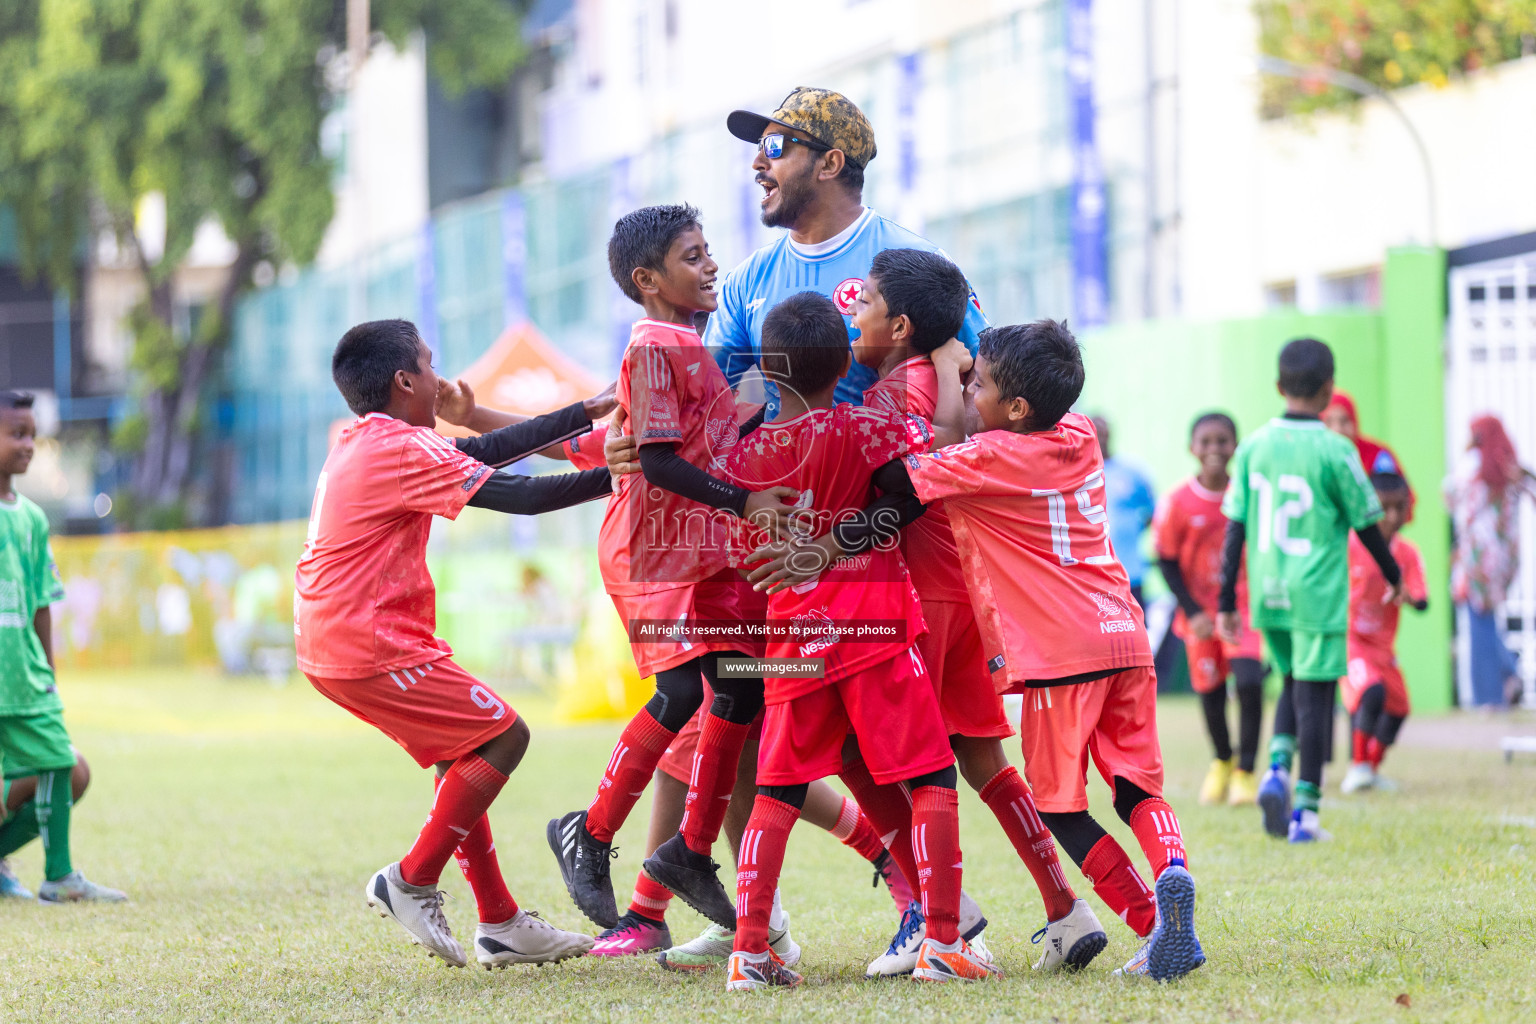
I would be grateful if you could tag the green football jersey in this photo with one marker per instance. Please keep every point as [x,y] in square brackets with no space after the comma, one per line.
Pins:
[29,580]
[1298,489]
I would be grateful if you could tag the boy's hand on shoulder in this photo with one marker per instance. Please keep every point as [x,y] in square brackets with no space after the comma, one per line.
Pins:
[619,449]
[603,403]
[953,353]
[455,402]
[1229,627]
[769,510]
[1202,626]
[791,563]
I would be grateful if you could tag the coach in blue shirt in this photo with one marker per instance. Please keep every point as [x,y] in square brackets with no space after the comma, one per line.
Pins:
[811,155]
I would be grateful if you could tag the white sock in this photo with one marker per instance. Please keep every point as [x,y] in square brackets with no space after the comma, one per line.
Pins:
[776,919]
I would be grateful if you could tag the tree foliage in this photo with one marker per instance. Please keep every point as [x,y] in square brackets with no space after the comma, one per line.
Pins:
[1389,43]
[217,106]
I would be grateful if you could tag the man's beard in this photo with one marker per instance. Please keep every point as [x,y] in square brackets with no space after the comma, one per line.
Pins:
[795,197]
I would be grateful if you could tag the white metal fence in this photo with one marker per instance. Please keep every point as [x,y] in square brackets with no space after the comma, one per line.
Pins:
[1491,367]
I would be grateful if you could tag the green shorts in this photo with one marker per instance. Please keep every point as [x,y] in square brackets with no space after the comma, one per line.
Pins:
[1302,654]
[30,744]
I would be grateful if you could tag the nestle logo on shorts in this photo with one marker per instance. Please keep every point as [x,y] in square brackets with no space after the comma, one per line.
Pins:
[779,668]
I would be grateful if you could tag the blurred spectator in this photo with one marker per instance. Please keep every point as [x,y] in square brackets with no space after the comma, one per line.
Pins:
[1483,493]
[1341,418]
[1128,494]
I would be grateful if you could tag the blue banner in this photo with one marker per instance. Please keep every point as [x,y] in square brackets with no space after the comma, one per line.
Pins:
[1090,280]
[514,256]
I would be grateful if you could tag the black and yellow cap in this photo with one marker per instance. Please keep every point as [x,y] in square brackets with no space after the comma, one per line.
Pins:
[826,116]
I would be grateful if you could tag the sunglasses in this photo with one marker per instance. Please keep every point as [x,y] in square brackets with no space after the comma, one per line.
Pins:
[772,145]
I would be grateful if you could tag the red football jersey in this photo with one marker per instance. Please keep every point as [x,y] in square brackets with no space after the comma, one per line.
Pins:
[363,601]
[586,450]
[829,456]
[1373,625]
[1029,519]
[673,392]
[912,389]
[1189,528]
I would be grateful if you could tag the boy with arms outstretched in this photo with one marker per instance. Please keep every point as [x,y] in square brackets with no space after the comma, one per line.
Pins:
[876,689]
[33,740]
[911,306]
[364,619]
[1374,693]
[1297,490]
[663,555]
[1189,530]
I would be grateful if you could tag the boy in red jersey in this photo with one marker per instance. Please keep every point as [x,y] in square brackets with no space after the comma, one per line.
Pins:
[909,310]
[1025,497]
[663,555]
[1374,693]
[364,619]
[853,628]
[1189,529]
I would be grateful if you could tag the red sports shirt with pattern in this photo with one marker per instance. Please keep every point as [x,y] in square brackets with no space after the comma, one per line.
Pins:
[363,601]
[1373,625]
[1029,519]
[1189,528]
[912,389]
[673,392]
[830,456]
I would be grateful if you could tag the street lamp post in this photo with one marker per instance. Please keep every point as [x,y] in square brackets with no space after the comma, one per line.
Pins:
[1355,84]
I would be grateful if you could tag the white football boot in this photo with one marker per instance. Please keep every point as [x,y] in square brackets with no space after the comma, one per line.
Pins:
[416,908]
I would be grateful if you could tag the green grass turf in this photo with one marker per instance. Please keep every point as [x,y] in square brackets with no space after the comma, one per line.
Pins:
[244,822]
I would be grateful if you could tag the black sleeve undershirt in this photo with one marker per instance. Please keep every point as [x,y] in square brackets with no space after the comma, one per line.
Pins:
[753,423]
[1231,562]
[518,441]
[665,468]
[886,515]
[530,495]
[1179,587]
[1381,552]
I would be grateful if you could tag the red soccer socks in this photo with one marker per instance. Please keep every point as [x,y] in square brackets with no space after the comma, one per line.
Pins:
[1012,803]
[1119,886]
[714,776]
[651,898]
[889,811]
[1157,830]
[854,831]
[936,849]
[629,771]
[758,864]
[476,854]
[461,802]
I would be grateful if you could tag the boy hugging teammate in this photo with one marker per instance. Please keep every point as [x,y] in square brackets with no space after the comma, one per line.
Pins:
[663,552]
[1297,490]
[1190,529]
[872,686]
[1025,498]
[1374,693]
[911,307]
[364,620]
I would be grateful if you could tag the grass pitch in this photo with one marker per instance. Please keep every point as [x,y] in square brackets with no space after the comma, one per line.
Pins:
[243,821]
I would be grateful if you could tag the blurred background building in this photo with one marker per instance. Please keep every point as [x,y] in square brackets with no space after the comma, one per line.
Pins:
[1186,219]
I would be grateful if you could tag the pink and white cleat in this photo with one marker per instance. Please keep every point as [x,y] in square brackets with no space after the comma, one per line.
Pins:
[632,936]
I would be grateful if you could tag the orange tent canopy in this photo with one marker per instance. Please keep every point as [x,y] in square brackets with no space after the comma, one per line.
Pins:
[523,373]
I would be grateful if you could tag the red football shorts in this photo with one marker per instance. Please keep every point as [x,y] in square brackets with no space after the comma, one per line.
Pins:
[720,598]
[891,708]
[1366,669]
[1113,720]
[1210,660]
[951,649]
[437,711]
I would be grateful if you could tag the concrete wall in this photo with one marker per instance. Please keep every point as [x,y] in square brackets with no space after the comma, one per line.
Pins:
[1154,377]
